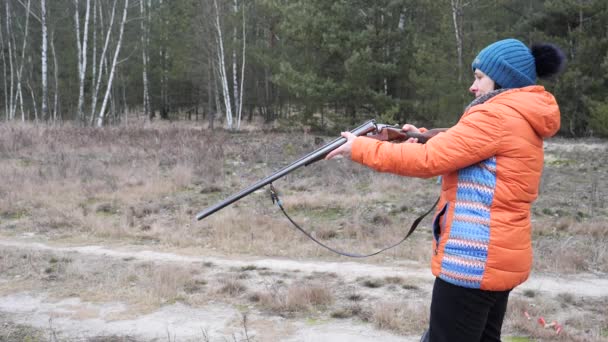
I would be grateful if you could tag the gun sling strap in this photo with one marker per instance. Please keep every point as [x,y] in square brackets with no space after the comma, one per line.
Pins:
[275,199]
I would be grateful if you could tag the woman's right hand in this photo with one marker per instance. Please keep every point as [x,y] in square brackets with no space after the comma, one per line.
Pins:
[412,129]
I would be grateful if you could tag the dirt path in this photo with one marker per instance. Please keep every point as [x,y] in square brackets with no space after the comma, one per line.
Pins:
[587,285]
[216,321]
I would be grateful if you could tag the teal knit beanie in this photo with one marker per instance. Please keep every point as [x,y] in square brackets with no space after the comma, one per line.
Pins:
[508,62]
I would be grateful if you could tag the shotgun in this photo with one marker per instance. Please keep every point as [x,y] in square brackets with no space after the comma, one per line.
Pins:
[370,129]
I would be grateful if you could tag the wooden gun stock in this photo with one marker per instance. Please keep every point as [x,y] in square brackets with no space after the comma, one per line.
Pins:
[395,134]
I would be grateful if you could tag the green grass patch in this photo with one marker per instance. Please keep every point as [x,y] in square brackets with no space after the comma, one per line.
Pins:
[328,213]
[529,293]
[23,162]
[517,339]
[324,213]
[14,214]
[315,321]
[107,209]
[561,162]
[20,332]
[249,268]
[372,283]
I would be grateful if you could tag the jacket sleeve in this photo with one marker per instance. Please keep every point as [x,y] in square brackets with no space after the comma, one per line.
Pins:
[475,138]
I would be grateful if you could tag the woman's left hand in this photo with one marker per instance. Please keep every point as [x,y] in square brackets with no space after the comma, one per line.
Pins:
[343,150]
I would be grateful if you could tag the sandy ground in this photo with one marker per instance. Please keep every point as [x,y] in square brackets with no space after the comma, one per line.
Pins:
[73,318]
[178,322]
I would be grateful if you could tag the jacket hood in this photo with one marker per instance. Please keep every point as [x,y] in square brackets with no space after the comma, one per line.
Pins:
[536,105]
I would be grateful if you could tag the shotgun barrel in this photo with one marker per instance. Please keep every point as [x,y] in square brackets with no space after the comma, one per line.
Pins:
[316,155]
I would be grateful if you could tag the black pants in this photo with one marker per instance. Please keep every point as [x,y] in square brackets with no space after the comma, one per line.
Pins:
[460,314]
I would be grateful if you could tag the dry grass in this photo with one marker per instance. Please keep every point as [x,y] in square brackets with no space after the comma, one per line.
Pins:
[18,332]
[350,311]
[295,298]
[143,284]
[144,185]
[575,315]
[231,285]
[153,179]
[407,317]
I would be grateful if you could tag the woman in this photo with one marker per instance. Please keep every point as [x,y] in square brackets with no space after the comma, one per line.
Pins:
[491,163]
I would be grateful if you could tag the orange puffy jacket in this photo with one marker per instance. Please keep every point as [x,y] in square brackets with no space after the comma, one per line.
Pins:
[491,163]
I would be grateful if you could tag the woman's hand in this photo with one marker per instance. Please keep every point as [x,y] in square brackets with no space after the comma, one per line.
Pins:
[411,129]
[343,150]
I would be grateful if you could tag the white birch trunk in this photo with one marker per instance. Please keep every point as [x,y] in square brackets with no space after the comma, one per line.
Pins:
[149,24]
[210,112]
[82,54]
[222,67]
[19,96]
[235,74]
[94,62]
[165,72]
[456,17]
[125,104]
[386,59]
[401,25]
[240,110]
[22,61]
[34,105]
[164,58]
[12,66]
[102,60]
[216,91]
[101,116]
[45,89]
[56,77]
[145,22]
[4,74]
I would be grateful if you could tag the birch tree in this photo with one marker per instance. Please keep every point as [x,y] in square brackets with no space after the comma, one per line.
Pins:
[94,62]
[144,10]
[81,44]
[4,72]
[112,70]
[19,92]
[102,60]
[457,16]
[207,33]
[43,60]
[42,19]
[238,94]
[216,90]
[223,78]
[10,40]
[33,97]
[56,78]
[16,62]
[210,91]
[235,74]
[164,60]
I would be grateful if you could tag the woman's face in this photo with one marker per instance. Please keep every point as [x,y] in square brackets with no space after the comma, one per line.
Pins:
[482,84]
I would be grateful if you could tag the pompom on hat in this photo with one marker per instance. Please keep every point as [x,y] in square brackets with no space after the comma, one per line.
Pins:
[511,64]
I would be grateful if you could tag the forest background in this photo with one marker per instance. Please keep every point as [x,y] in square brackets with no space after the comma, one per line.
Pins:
[297,63]
[118,122]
